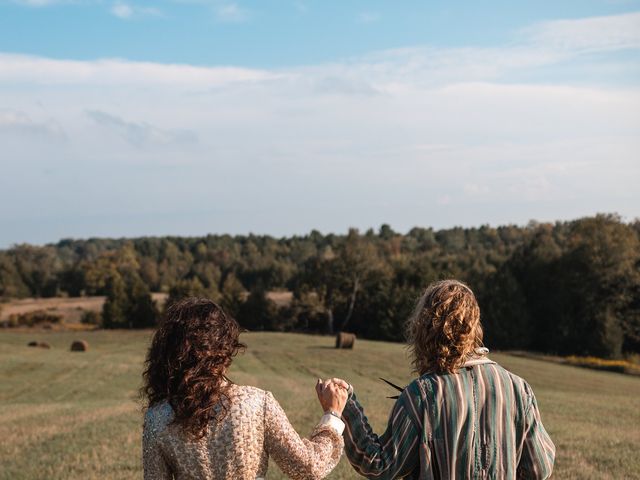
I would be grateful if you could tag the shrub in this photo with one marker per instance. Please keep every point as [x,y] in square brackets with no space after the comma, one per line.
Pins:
[33,319]
[91,317]
[620,366]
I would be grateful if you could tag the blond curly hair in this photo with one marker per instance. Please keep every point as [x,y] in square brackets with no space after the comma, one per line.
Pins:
[444,329]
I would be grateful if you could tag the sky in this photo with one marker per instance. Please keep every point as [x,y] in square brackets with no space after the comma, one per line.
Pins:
[188,117]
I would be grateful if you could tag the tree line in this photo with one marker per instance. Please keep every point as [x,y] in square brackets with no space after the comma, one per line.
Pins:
[569,287]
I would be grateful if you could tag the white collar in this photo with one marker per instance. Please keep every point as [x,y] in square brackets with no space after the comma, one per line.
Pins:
[479,358]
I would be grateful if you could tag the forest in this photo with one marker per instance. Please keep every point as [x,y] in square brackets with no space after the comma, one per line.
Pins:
[566,288]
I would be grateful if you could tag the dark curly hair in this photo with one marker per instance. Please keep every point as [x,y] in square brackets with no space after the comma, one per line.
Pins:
[445,328]
[186,363]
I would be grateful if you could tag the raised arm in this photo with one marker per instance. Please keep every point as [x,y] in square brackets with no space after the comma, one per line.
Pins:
[395,454]
[302,458]
[538,451]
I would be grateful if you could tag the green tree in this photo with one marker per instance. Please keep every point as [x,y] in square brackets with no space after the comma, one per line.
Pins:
[185,288]
[11,283]
[116,305]
[128,304]
[602,265]
[143,311]
[233,294]
[258,312]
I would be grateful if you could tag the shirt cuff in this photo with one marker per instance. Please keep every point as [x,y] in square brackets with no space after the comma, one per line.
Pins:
[333,422]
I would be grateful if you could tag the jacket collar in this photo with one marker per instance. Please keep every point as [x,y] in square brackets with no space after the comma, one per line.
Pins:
[478,358]
[477,361]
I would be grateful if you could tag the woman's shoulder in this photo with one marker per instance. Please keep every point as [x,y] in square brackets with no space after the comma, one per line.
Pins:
[158,417]
[249,397]
[247,391]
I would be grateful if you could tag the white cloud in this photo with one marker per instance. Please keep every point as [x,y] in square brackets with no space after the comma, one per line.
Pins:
[368,17]
[421,135]
[231,13]
[142,134]
[342,85]
[127,11]
[14,122]
[45,71]
[301,6]
[122,10]
[47,3]
[37,3]
[613,32]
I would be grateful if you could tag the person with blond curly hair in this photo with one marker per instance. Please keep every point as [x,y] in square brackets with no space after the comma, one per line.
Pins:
[465,417]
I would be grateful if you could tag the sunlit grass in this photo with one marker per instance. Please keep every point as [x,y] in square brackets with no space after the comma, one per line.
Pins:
[70,415]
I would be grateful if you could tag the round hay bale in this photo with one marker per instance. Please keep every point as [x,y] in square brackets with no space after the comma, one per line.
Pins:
[32,343]
[345,340]
[44,345]
[79,346]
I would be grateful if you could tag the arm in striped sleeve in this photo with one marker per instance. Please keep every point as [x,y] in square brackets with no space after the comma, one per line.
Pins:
[395,453]
[538,451]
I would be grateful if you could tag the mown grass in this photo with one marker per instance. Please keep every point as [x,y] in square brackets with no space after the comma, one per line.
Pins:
[68,415]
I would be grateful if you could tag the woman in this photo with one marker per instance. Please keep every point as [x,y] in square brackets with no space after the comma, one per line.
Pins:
[200,425]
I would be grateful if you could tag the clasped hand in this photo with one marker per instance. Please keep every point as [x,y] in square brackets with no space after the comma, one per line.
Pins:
[332,394]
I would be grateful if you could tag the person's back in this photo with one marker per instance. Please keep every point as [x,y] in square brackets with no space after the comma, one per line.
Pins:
[481,422]
[200,425]
[239,446]
[464,417]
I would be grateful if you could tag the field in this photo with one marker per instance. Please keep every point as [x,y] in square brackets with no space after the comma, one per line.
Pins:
[67,415]
[70,309]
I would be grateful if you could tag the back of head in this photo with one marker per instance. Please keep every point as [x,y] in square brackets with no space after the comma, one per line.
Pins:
[187,361]
[445,328]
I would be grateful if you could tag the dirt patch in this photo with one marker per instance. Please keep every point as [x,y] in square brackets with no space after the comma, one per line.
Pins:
[281,299]
[70,309]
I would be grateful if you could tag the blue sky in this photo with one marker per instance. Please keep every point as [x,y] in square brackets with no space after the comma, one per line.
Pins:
[269,33]
[195,116]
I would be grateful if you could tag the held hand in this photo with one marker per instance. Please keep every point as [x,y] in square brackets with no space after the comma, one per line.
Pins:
[332,396]
[339,382]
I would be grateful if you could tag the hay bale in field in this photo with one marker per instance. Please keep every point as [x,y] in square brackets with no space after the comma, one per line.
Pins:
[32,343]
[79,346]
[345,340]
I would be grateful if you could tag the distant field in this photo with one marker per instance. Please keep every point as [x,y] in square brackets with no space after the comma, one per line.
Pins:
[70,309]
[67,415]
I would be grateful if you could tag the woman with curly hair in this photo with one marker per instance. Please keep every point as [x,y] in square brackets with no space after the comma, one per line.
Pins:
[200,425]
[465,417]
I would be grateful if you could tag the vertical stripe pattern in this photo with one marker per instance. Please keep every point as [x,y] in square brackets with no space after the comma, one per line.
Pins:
[482,422]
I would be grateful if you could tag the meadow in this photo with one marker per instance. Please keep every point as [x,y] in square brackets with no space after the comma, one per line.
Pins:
[71,415]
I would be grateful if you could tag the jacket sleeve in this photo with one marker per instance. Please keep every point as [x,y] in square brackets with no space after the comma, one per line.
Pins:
[538,451]
[154,464]
[395,454]
[302,458]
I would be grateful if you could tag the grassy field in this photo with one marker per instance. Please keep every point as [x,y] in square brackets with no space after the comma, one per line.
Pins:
[67,415]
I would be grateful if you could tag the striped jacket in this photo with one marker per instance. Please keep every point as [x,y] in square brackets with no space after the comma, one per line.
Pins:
[479,423]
